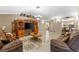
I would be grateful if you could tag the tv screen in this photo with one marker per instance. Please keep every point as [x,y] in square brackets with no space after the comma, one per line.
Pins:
[29,26]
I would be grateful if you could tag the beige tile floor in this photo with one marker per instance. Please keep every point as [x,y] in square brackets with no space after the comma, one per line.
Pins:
[37,46]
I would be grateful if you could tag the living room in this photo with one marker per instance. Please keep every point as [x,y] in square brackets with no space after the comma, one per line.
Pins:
[39,28]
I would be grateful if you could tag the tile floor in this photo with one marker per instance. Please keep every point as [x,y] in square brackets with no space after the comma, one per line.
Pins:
[42,45]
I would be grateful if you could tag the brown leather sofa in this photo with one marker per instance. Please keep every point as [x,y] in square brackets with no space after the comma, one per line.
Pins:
[71,46]
[8,44]
[14,46]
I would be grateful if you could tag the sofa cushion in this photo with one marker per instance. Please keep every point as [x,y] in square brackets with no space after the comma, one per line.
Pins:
[73,34]
[59,46]
[12,46]
[74,43]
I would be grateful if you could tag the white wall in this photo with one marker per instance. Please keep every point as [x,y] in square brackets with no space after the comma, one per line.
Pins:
[55,27]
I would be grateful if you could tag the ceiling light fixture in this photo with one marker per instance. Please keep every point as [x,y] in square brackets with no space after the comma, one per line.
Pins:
[37,7]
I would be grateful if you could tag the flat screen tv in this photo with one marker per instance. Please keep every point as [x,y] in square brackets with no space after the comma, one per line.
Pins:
[29,26]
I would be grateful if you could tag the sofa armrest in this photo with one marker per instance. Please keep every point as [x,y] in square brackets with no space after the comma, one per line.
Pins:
[12,46]
[59,46]
[65,39]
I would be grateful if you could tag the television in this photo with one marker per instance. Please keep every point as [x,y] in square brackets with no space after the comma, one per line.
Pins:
[29,26]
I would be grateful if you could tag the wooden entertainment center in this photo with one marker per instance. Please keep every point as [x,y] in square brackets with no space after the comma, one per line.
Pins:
[24,26]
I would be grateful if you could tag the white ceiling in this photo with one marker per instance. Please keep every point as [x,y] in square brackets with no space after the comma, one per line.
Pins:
[46,11]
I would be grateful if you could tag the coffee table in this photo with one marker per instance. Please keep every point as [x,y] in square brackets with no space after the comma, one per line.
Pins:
[36,35]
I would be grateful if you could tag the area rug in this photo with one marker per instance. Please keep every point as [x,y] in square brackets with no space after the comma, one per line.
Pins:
[29,43]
